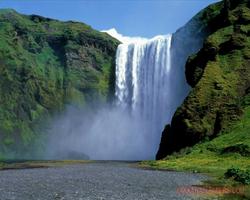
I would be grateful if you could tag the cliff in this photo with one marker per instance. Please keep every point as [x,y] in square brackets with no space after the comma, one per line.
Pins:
[219,75]
[46,64]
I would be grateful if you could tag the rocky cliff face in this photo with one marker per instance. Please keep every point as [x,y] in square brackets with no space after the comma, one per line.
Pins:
[44,65]
[219,75]
[185,42]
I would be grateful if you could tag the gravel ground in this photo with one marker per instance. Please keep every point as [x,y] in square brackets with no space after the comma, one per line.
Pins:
[98,180]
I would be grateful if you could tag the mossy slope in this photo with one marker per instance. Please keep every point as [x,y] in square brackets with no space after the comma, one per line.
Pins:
[230,149]
[44,65]
[219,75]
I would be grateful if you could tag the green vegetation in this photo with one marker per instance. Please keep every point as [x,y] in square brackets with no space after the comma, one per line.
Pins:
[219,75]
[46,64]
[241,176]
[230,150]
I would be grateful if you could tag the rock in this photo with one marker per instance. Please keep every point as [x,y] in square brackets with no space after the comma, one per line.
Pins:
[219,75]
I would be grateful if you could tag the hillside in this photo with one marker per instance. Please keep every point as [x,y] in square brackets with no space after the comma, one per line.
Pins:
[46,64]
[219,75]
[228,151]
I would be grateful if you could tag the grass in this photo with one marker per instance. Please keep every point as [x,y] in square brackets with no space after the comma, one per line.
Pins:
[211,158]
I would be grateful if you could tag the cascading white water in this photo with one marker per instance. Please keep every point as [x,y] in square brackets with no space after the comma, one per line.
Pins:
[149,88]
[142,83]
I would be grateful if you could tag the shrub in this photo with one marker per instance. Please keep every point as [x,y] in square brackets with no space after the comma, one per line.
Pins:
[242,149]
[238,175]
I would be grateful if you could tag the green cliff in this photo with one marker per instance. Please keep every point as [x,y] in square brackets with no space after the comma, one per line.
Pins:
[46,64]
[219,75]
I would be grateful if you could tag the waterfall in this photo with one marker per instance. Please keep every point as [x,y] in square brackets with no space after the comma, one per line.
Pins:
[143,69]
[150,85]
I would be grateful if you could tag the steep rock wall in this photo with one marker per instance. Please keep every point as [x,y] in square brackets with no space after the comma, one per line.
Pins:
[219,75]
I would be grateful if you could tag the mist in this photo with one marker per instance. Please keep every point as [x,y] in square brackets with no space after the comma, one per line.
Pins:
[150,85]
[109,133]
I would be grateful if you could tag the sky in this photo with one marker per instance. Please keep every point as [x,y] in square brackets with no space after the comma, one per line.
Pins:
[144,18]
